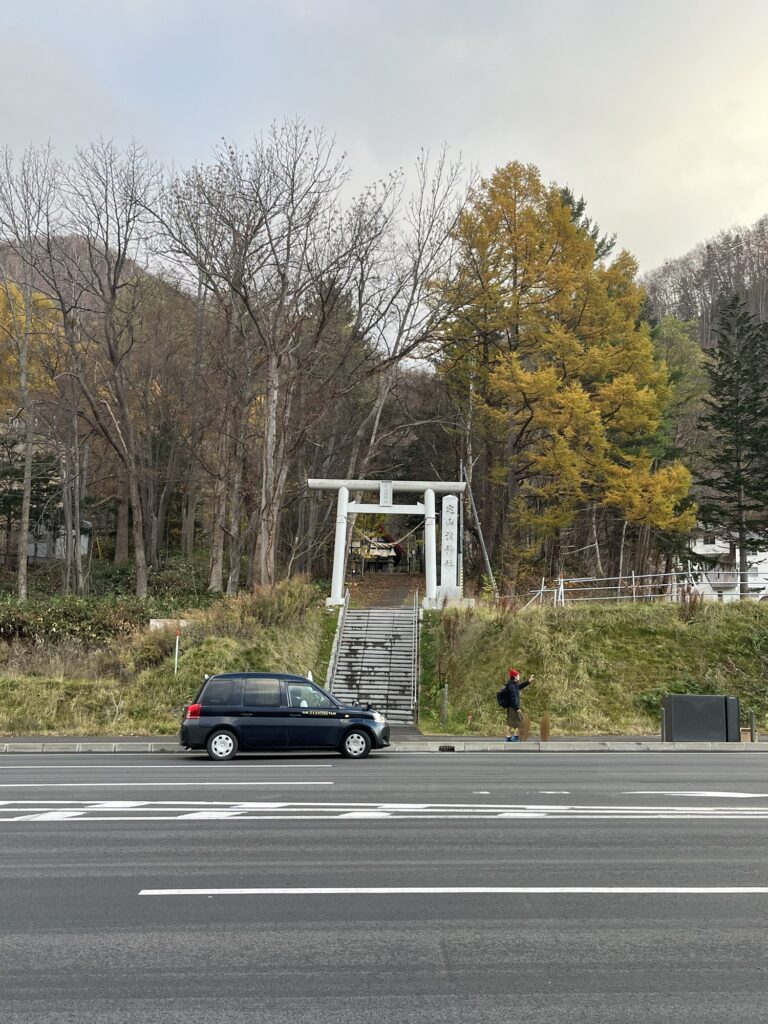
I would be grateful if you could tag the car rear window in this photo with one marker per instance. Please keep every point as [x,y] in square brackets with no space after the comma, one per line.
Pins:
[261,692]
[218,691]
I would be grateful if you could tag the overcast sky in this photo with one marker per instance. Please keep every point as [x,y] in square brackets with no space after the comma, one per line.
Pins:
[654,110]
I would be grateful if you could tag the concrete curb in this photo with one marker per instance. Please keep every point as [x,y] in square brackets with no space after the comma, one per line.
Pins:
[90,747]
[578,746]
[170,746]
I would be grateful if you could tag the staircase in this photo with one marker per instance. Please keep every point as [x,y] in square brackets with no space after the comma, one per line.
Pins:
[376,660]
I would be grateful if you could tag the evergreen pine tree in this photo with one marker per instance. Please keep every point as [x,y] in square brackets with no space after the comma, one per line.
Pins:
[735,470]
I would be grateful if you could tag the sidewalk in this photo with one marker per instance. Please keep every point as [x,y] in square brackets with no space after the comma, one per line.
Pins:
[404,739]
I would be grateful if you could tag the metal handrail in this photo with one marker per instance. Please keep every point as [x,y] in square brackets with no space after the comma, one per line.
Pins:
[337,643]
[638,586]
[416,661]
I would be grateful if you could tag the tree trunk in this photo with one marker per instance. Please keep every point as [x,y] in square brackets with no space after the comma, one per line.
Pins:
[158,514]
[235,539]
[139,553]
[28,413]
[595,544]
[216,568]
[172,473]
[621,550]
[189,513]
[271,475]
[122,533]
[76,526]
[66,501]
[743,563]
[26,499]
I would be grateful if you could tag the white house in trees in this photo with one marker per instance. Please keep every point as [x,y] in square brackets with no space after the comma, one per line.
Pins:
[718,577]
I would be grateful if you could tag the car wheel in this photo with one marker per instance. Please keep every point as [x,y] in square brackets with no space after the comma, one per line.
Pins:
[221,745]
[357,744]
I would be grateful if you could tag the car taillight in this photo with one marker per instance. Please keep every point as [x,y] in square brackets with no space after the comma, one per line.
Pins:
[193,711]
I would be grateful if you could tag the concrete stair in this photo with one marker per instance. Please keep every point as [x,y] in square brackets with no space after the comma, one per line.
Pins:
[376,660]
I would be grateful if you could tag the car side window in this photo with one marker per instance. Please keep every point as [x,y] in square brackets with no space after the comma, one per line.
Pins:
[261,693]
[218,692]
[304,695]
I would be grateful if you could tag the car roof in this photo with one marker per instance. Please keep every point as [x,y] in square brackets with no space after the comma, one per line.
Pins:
[257,675]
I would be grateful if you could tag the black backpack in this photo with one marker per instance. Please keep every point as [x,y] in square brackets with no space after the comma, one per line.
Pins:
[503,698]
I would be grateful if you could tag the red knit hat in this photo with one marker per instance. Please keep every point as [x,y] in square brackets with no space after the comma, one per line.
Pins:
[514,674]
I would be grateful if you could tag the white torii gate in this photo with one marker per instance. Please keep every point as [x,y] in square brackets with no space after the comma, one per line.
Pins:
[450,585]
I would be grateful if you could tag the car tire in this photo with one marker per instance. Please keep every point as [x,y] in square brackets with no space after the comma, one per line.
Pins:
[356,744]
[221,745]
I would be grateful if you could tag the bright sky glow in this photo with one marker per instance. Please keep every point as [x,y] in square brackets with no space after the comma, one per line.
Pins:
[654,111]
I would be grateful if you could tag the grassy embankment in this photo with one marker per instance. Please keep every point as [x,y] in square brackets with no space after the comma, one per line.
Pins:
[92,667]
[598,669]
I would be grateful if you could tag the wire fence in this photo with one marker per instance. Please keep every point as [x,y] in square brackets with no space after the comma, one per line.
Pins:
[680,585]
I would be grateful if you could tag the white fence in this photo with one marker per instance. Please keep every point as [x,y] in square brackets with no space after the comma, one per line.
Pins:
[710,584]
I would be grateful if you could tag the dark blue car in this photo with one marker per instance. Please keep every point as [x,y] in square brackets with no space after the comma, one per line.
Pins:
[252,711]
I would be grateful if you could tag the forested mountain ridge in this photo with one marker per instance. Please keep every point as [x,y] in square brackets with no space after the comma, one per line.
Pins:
[181,351]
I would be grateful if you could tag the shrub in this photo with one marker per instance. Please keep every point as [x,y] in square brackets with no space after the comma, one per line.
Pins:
[649,701]
[84,620]
[284,603]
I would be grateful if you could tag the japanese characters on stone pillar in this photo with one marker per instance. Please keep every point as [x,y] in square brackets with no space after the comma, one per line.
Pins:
[449,547]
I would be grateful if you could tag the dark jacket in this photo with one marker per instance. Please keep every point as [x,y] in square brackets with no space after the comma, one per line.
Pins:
[513,689]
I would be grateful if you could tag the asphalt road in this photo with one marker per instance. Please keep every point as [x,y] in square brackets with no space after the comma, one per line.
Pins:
[102,859]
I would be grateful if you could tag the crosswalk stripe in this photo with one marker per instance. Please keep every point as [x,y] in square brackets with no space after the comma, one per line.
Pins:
[201,810]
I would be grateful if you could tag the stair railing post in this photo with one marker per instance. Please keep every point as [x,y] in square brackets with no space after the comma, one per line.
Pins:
[337,642]
[416,660]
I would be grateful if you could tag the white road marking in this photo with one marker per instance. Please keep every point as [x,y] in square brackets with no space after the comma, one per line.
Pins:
[555,792]
[481,792]
[365,814]
[179,767]
[255,806]
[442,890]
[403,807]
[521,814]
[695,792]
[117,805]
[147,785]
[209,814]
[178,810]
[52,816]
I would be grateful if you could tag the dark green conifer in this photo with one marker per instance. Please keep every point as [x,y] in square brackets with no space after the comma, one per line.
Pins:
[734,479]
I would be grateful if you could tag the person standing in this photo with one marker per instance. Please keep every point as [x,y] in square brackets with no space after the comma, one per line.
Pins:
[509,697]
